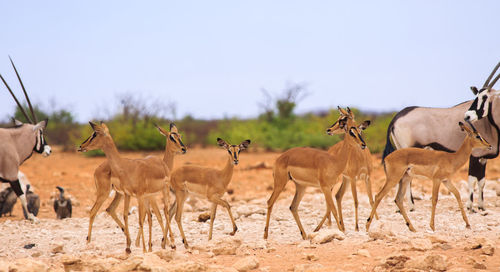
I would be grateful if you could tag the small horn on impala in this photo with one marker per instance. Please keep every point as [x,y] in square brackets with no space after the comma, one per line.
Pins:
[17,101]
[26,94]
[486,83]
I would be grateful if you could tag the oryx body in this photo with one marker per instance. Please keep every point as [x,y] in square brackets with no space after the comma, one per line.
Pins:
[17,145]
[436,128]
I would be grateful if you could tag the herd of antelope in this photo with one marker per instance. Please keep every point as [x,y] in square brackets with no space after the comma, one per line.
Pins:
[430,142]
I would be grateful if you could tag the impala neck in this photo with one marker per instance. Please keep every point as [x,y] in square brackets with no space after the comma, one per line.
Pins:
[227,171]
[349,145]
[168,157]
[461,156]
[113,156]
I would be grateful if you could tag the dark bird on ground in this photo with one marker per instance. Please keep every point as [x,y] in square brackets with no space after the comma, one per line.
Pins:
[33,202]
[7,201]
[62,205]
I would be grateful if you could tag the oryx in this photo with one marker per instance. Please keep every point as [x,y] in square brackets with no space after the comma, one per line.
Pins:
[436,128]
[18,143]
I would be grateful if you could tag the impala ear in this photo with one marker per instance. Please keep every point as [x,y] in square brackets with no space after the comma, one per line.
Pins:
[244,145]
[474,90]
[222,143]
[161,130]
[173,128]
[364,125]
[351,114]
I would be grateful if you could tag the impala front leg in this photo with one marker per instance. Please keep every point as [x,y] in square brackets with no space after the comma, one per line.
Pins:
[329,200]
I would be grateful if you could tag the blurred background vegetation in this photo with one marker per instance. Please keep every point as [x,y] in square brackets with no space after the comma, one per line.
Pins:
[277,127]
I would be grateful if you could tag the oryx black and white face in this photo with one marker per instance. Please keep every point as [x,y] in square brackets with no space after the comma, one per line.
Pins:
[480,107]
[41,145]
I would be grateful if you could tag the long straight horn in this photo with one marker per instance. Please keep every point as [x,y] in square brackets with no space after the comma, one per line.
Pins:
[491,75]
[15,99]
[26,94]
[494,81]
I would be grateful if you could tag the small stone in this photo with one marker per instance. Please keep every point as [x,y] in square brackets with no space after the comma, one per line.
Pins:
[363,252]
[488,249]
[395,261]
[36,254]
[246,264]
[420,244]
[311,257]
[477,265]
[225,246]
[327,235]
[165,254]
[435,239]
[58,248]
[307,267]
[204,217]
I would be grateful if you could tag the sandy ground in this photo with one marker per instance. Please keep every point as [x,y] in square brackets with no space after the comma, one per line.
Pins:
[284,249]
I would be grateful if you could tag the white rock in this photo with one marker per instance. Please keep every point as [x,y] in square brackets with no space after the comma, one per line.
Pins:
[307,267]
[327,235]
[246,264]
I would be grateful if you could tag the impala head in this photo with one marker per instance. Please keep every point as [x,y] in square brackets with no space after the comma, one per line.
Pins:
[480,107]
[234,150]
[477,140]
[340,125]
[96,140]
[41,145]
[174,139]
[355,132]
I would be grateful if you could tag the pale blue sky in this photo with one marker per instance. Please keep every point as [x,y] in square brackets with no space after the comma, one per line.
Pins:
[212,57]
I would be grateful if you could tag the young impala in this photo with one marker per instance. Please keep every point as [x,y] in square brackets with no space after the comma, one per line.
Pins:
[208,183]
[438,166]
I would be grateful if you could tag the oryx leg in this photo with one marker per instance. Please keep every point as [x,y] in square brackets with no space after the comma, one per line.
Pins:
[16,187]
[477,169]
[480,185]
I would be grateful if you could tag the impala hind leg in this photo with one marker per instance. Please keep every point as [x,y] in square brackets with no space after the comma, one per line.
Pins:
[111,209]
[435,196]
[299,194]
[327,192]
[400,202]
[368,184]
[390,182]
[101,197]
[126,206]
[455,192]
[180,198]
[280,180]
[219,201]
[339,196]
[356,203]
[166,202]
[156,211]
[142,215]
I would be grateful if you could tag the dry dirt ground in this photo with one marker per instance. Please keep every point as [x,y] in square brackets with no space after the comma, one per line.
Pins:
[390,245]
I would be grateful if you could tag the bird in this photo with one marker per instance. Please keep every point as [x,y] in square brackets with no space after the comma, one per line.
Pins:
[33,202]
[62,206]
[7,201]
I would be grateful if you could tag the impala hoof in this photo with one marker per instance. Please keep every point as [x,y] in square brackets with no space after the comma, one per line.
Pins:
[128,251]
